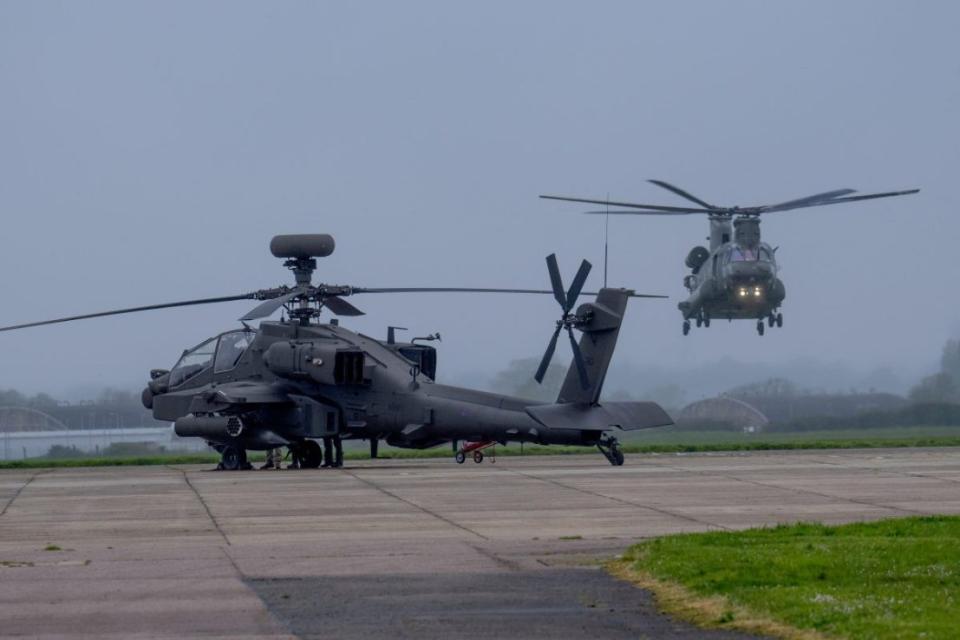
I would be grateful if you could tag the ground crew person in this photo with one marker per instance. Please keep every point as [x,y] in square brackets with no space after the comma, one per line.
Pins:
[274,458]
[329,444]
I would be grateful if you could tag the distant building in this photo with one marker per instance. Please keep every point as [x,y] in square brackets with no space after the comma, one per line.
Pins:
[754,412]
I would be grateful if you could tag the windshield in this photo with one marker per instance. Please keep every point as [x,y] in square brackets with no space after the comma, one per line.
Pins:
[744,254]
[193,362]
[749,254]
[232,347]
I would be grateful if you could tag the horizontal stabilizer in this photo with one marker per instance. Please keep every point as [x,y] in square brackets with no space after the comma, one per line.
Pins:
[624,415]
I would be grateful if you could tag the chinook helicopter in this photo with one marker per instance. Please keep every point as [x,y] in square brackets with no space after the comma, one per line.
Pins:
[737,277]
[292,381]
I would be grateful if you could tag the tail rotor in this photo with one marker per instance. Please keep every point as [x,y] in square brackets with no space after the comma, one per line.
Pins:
[566,299]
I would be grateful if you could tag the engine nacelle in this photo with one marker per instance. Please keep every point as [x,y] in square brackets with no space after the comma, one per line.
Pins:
[696,258]
[322,363]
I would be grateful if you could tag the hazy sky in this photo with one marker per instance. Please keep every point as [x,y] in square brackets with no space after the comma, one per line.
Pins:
[148,152]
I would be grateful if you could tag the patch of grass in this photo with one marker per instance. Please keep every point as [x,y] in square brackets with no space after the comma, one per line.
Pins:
[665,440]
[896,578]
[570,538]
[52,547]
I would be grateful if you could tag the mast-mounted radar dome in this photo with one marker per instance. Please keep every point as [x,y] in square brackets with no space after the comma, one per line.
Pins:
[304,245]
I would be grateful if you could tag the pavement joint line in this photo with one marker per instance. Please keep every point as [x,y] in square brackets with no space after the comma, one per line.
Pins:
[638,505]
[509,565]
[434,514]
[233,563]
[768,485]
[206,507]
[880,471]
[16,494]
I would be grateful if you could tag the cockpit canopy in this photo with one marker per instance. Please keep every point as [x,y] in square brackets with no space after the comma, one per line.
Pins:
[223,352]
[738,253]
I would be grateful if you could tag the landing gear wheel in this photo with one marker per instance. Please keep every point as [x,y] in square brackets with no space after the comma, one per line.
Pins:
[686,327]
[771,320]
[461,457]
[617,457]
[706,321]
[760,327]
[233,458]
[699,322]
[779,320]
[610,449]
[311,455]
[478,456]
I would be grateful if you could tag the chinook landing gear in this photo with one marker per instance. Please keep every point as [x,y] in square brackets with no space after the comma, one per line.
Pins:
[610,449]
[773,320]
[702,320]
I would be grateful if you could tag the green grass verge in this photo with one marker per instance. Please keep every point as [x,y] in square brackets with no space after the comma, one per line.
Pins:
[896,578]
[651,441]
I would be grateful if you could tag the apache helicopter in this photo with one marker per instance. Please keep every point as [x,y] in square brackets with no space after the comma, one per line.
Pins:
[737,277]
[290,382]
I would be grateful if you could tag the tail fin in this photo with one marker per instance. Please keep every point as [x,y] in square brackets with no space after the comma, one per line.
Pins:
[600,328]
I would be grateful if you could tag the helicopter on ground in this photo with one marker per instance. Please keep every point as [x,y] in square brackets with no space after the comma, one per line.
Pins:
[290,382]
[736,278]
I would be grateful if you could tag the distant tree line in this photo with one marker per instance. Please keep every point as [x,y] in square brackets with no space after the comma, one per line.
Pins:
[943,386]
[111,408]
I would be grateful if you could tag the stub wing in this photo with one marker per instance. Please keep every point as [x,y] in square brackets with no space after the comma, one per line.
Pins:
[219,397]
[628,416]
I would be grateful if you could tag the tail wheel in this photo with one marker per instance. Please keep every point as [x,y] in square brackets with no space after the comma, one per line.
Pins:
[461,457]
[478,456]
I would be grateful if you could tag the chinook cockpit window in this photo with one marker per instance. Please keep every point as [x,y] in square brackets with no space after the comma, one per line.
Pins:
[193,362]
[231,349]
[744,254]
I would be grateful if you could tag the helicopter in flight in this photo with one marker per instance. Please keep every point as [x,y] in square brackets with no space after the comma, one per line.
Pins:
[736,278]
[290,382]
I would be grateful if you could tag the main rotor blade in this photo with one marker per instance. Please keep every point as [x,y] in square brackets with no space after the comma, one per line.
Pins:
[683,194]
[556,281]
[356,290]
[642,212]
[341,307]
[151,307]
[632,205]
[267,308]
[578,360]
[577,285]
[868,196]
[547,356]
[809,201]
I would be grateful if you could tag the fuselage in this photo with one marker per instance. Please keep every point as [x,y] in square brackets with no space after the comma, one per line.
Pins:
[388,394]
[736,278]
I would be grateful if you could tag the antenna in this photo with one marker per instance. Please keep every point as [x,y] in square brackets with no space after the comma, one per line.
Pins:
[606,241]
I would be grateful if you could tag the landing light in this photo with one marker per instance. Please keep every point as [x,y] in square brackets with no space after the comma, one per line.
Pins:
[757,291]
